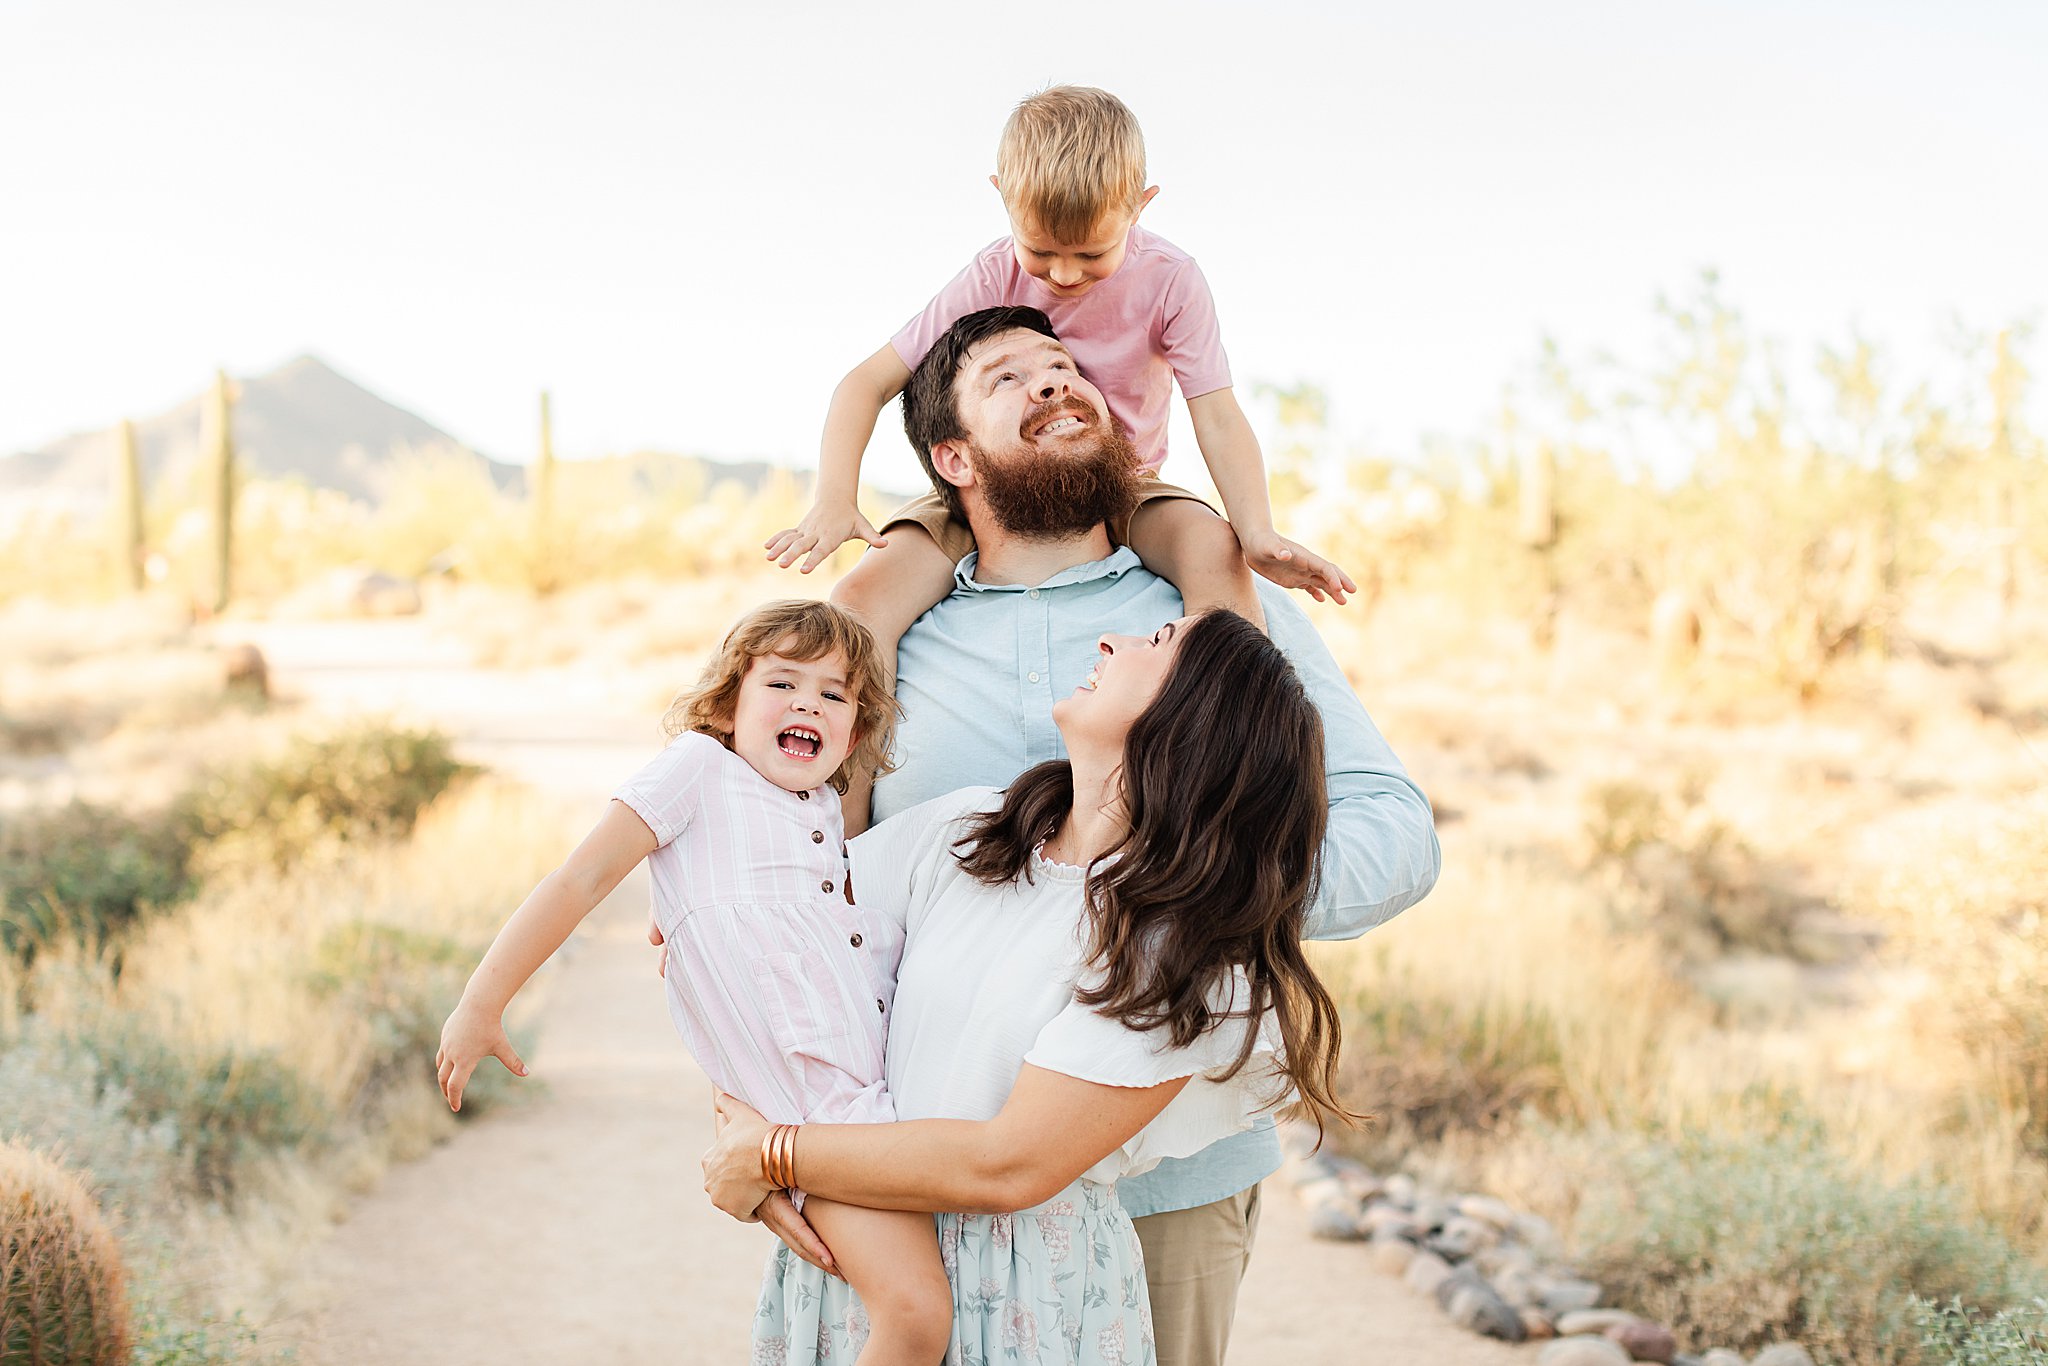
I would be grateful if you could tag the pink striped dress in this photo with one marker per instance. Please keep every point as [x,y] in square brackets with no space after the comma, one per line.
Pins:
[779,987]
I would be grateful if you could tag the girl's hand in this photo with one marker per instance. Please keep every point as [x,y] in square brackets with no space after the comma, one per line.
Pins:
[470,1036]
[823,530]
[1294,566]
[732,1164]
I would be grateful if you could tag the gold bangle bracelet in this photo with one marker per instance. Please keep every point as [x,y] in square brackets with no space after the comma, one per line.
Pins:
[789,1160]
[767,1158]
[780,1176]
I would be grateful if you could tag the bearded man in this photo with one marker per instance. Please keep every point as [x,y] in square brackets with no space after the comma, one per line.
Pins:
[977,676]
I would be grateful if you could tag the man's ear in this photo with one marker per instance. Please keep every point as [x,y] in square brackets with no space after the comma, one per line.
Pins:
[949,461]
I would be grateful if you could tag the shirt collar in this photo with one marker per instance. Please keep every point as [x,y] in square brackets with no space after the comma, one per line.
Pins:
[1119,562]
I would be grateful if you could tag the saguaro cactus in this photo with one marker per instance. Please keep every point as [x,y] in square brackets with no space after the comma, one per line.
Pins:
[541,489]
[219,453]
[127,510]
[1536,528]
[63,1290]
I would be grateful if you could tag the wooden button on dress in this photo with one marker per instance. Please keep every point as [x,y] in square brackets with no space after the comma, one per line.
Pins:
[855,941]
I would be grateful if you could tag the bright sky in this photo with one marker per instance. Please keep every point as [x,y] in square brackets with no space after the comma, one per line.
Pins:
[687,221]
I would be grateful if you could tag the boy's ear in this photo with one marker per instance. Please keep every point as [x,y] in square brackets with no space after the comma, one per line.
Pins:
[1143,200]
[997,183]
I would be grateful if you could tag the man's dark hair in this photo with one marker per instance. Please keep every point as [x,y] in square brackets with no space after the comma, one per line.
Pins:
[931,411]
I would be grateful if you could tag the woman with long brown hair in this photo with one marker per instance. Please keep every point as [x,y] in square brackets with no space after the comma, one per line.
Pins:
[1103,970]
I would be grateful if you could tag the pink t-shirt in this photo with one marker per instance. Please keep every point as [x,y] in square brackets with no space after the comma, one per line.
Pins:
[1133,335]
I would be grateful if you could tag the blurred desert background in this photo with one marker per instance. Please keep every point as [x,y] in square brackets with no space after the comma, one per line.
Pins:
[1715,628]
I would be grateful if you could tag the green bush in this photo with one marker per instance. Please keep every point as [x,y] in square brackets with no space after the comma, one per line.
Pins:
[221,1106]
[366,783]
[1952,1336]
[85,873]
[1745,1241]
[403,982]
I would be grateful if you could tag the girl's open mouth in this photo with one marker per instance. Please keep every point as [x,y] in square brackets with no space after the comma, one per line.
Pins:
[800,742]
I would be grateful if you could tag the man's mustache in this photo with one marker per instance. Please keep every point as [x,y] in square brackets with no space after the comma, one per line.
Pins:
[1045,412]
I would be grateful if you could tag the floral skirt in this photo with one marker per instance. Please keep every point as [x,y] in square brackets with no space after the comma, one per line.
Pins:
[1059,1285]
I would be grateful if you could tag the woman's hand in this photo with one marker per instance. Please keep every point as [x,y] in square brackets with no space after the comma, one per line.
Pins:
[471,1035]
[732,1164]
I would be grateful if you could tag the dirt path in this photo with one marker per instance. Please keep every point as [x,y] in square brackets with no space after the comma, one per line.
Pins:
[572,1228]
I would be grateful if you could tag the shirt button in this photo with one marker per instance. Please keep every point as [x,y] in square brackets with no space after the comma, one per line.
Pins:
[879,1007]
[803,796]
[1032,594]
[1032,677]
[826,885]
[817,837]
[855,941]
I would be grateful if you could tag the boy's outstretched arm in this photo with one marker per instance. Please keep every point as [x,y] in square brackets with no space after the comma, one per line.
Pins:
[475,1030]
[835,516]
[1231,449]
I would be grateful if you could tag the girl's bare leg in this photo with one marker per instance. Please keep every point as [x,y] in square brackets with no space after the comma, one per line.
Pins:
[892,1258]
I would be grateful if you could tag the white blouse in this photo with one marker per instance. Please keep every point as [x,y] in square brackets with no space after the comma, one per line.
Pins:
[987,984]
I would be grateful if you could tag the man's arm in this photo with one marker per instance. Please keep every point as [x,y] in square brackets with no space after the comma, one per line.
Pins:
[1380,855]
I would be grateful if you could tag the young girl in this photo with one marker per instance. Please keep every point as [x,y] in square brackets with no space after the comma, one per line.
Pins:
[780,986]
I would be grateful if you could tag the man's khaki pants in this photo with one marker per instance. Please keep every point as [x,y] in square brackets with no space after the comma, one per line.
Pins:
[1194,1260]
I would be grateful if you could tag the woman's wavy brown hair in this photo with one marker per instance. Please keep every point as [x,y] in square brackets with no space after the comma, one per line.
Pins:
[802,630]
[1224,790]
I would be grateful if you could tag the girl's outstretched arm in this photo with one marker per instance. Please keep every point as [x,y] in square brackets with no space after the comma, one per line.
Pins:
[550,913]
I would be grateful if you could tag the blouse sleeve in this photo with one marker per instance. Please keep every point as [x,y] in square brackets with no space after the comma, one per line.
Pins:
[668,791]
[1080,1043]
[895,864]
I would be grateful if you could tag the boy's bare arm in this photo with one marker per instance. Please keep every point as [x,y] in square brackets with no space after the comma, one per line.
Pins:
[835,516]
[1231,450]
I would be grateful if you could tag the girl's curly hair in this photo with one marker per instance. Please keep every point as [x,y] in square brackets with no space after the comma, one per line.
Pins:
[802,630]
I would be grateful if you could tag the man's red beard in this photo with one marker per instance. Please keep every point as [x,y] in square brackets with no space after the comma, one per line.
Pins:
[1043,496]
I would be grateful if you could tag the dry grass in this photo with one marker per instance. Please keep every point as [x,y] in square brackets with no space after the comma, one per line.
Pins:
[323,986]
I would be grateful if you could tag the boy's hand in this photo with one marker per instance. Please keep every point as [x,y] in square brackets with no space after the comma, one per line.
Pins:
[823,530]
[470,1036]
[1295,566]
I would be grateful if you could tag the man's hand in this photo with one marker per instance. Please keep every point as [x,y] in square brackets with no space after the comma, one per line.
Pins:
[782,1219]
[1295,566]
[470,1036]
[823,530]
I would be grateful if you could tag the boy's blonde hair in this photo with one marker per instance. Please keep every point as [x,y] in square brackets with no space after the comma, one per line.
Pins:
[1070,157]
[801,630]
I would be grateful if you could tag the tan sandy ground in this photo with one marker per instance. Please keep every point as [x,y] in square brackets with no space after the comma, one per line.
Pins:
[573,1228]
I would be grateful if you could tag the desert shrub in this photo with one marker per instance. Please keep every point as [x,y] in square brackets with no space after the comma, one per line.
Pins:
[63,1286]
[1749,1240]
[220,1106]
[1427,1068]
[1971,897]
[366,783]
[1684,873]
[403,983]
[83,872]
[1951,1335]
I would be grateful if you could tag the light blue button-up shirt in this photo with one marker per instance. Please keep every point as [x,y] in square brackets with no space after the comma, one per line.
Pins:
[977,676]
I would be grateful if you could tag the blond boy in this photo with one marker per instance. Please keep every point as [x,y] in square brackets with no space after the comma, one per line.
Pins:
[1135,313]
